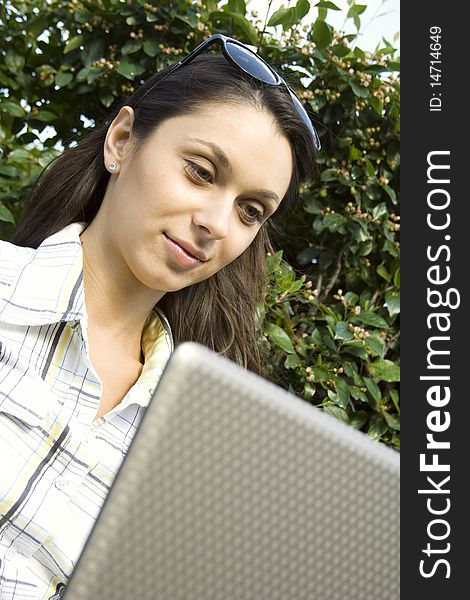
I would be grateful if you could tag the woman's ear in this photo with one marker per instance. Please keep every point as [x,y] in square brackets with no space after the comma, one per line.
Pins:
[118,140]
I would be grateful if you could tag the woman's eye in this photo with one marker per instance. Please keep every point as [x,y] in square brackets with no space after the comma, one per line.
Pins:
[252,213]
[199,173]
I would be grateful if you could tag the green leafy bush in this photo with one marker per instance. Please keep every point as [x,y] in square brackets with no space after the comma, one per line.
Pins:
[330,324]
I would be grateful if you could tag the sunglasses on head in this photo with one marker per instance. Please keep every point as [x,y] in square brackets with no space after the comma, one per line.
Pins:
[249,62]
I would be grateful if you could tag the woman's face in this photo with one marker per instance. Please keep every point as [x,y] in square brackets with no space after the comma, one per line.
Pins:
[192,197]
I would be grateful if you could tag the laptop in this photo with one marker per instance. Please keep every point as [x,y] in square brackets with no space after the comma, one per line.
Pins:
[235,489]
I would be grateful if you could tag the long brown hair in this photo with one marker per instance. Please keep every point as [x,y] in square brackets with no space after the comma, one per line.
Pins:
[219,312]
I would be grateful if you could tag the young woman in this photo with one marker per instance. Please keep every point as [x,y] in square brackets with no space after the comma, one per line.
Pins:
[152,230]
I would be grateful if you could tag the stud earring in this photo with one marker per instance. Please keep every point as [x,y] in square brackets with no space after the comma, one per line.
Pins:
[112,166]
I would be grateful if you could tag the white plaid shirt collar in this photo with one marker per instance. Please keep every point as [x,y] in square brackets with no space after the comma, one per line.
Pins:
[48,287]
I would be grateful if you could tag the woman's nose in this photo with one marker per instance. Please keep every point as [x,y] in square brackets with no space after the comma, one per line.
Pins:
[214,217]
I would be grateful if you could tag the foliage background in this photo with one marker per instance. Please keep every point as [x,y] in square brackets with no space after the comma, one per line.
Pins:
[330,323]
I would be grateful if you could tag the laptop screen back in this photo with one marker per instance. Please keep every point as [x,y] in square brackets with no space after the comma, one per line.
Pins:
[234,489]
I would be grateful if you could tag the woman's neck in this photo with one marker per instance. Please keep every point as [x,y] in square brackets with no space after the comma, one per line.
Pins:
[117,304]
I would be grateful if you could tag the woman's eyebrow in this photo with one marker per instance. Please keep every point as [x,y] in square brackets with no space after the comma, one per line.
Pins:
[269,195]
[217,151]
[223,159]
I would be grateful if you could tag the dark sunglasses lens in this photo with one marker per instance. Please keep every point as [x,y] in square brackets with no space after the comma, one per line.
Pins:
[251,64]
[303,113]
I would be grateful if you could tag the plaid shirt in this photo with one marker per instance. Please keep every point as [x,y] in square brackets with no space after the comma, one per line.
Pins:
[56,462]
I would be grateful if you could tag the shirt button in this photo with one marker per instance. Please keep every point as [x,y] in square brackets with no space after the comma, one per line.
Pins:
[61,483]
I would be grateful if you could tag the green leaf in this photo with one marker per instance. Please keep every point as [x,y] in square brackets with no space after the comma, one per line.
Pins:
[301,9]
[340,50]
[359,230]
[95,50]
[391,193]
[14,62]
[280,338]
[360,8]
[334,221]
[152,17]
[134,20]
[392,420]
[356,348]
[334,398]
[309,391]
[329,175]
[376,344]
[5,214]
[44,116]
[358,418]
[131,46]
[273,262]
[74,43]
[356,9]
[392,302]
[63,79]
[20,154]
[83,74]
[312,206]
[239,21]
[191,20]
[370,318]
[379,210]
[377,427]
[376,104]
[94,74]
[281,16]
[396,277]
[358,394]
[106,98]
[384,370]
[390,247]
[382,271]
[151,47]
[342,392]
[37,25]
[129,70]
[354,153]
[322,34]
[292,361]
[320,374]
[237,6]
[12,109]
[326,4]
[326,259]
[373,191]
[82,16]
[342,332]
[358,89]
[317,225]
[370,169]
[395,399]
[355,16]
[337,412]
[374,391]
[351,298]
[365,248]
[8,170]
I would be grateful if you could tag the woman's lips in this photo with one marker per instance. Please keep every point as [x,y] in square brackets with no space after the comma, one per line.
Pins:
[183,252]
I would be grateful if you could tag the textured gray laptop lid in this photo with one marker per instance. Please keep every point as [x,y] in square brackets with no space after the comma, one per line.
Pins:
[234,489]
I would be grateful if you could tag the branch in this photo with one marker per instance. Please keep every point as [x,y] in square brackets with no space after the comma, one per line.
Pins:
[390,343]
[261,33]
[334,276]
[312,311]
[379,291]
